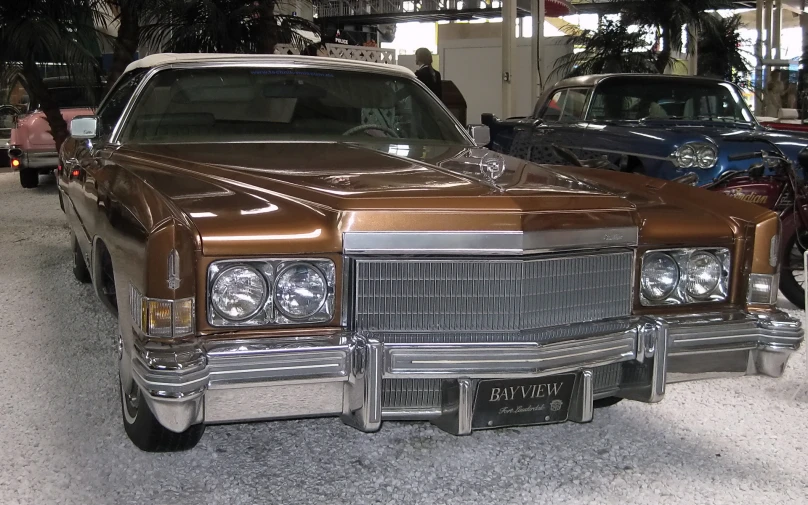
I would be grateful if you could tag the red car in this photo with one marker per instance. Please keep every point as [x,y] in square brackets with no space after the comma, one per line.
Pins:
[32,150]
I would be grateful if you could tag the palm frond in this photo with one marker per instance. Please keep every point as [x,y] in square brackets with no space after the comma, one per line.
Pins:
[610,48]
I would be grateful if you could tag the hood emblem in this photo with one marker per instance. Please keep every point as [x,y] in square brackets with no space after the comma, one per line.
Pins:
[173,269]
[492,166]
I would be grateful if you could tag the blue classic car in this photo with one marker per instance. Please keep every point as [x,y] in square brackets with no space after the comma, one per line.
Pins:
[660,125]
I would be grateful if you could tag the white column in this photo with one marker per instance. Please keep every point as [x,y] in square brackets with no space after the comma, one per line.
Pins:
[508,45]
[777,27]
[534,46]
[693,42]
[759,56]
[767,25]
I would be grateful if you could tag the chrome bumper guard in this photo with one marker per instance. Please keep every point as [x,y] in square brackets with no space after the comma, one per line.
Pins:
[341,375]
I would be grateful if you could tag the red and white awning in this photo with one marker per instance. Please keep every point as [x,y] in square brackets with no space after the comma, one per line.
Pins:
[556,8]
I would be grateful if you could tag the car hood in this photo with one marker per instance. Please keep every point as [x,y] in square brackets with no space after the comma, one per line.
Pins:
[274,193]
[668,134]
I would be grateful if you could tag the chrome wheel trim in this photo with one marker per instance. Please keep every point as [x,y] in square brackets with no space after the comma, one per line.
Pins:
[130,396]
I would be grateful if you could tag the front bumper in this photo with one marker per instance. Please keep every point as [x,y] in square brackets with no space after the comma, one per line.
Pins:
[342,375]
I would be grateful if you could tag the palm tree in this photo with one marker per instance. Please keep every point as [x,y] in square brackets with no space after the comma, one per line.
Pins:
[720,54]
[669,18]
[223,26]
[610,48]
[128,16]
[214,26]
[36,31]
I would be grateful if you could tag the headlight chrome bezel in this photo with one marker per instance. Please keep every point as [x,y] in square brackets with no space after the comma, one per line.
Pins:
[269,315]
[699,150]
[680,295]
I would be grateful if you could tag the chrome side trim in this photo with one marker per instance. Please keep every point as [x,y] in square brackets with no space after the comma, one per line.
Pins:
[468,243]
[705,333]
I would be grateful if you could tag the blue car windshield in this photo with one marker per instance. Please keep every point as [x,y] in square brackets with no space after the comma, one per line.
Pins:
[645,99]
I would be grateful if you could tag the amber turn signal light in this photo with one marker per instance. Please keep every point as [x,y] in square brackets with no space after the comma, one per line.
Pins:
[15,163]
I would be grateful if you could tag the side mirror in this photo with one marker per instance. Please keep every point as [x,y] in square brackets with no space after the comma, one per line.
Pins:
[488,119]
[84,127]
[481,134]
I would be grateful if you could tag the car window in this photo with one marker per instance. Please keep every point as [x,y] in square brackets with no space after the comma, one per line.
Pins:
[574,103]
[671,99]
[552,112]
[566,105]
[247,103]
[112,108]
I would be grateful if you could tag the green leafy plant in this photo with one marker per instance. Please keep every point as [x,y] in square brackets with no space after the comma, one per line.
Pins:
[610,48]
[720,53]
[669,18]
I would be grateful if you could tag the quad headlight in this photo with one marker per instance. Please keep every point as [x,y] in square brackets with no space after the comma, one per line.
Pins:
[695,155]
[300,291]
[238,292]
[677,276]
[270,292]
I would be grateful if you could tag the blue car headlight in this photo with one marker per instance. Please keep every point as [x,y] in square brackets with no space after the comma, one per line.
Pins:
[695,155]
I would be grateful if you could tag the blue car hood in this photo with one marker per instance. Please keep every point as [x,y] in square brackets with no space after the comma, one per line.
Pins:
[675,134]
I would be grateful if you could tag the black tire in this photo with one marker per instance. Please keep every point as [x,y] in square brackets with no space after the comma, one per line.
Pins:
[146,432]
[792,272]
[61,201]
[106,280]
[607,402]
[80,270]
[29,178]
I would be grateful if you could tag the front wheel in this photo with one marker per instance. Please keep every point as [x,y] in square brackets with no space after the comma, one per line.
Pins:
[146,432]
[792,272]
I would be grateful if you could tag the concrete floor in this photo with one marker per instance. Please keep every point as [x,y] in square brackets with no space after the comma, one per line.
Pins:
[728,441]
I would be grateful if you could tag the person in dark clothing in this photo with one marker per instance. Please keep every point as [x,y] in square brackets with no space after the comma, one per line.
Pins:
[426,74]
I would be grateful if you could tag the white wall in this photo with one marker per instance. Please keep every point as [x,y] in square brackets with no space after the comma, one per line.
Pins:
[471,57]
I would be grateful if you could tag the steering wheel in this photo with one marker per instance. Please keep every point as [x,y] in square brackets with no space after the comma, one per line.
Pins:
[366,127]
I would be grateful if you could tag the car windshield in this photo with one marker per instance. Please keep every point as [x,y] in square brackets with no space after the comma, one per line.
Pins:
[636,99]
[254,104]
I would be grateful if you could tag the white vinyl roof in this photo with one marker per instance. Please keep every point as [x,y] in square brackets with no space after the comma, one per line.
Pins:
[154,60]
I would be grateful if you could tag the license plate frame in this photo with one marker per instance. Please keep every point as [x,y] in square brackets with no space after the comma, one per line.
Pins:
[501,403]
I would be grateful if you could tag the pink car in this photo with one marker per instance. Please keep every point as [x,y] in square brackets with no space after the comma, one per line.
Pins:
[32,150]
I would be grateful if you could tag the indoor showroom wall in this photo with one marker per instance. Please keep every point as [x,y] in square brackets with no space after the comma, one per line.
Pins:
[471,56]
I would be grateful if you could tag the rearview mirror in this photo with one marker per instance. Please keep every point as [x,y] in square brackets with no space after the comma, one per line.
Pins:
[481,134]
[84,127]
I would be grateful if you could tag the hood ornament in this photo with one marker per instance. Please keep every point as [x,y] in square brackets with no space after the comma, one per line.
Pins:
[492,166]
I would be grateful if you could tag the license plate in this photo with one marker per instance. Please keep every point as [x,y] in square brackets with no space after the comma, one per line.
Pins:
[522,402]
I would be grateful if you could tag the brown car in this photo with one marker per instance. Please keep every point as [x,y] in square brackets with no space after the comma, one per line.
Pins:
[286,237]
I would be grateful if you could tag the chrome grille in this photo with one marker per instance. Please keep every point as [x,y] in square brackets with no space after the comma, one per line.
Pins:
[425,394]
[494,295]
[411,394]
